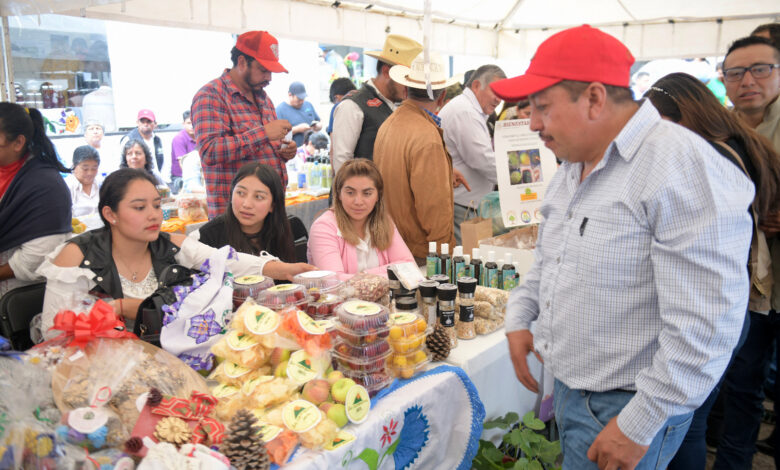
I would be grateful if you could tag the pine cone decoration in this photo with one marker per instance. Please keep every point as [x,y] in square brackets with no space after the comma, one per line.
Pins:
[242,443]
[173,430]
[439,343]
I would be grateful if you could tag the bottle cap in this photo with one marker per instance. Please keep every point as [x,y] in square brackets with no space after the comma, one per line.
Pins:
[457,251]
[428,288]
[508,258]
[467,259]
[467,285]
[491,256]
[475,253]
[431,247]
[445,248]
[447,291]
[500,262]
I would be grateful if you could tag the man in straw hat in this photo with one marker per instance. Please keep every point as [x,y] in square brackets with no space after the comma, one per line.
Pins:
[413,160]
[357,118]
[639,286]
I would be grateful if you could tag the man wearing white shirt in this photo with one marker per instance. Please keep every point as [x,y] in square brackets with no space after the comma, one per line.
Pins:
[464,120]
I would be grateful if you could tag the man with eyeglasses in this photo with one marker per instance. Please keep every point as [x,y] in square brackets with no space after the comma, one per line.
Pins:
[752,77]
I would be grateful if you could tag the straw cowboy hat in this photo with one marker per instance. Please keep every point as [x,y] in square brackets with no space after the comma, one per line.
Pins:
[414,76]
[398,50]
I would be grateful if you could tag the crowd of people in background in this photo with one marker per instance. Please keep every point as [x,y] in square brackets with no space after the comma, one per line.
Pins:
[660,228]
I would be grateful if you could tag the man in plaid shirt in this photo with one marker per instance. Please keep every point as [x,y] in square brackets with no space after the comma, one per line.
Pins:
[235,121]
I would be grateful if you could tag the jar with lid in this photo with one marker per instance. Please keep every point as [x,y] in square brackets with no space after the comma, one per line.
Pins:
[406,305]
[466,288]
[427,290]
[440,278]
[446,293]
[392,283]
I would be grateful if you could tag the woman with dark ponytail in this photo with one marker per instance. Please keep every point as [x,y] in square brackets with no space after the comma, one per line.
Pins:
[34,200]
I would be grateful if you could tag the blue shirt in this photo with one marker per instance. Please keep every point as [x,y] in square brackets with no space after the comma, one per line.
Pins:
[306,114]
[640,275]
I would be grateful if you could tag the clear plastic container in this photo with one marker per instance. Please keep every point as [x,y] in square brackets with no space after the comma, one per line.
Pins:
[374,382]
[373,350]
[407,365]
[359,315]
[318,282]
[324,306]
[249,286]
[362,337]
[361,364]
[284,295]
[192,208]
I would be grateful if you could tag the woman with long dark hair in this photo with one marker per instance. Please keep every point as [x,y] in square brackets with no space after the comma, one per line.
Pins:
[136,154]
[255,221]
[35,210]
[123,259]
[685,100]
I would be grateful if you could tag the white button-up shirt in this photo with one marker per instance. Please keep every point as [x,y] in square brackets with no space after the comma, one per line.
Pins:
[468,141]
[640,278]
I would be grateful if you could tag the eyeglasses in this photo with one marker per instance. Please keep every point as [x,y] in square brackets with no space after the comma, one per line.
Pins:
[757,71]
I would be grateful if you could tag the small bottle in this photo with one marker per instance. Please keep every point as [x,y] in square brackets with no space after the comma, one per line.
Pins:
[508,274]
[476,267]
[500,282]
[393,284]
[458,264]
[465,328]
[468,269]
[446,294]
[427,290]
[445,262]
[518,276]
[491,271]
[432,261]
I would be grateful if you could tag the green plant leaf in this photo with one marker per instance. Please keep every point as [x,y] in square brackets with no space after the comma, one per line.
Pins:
[494,455]
[496,423]
[530,420]
[511,417]
[521,464]
[370,457]
[550,451]
[531,436]
[535,465]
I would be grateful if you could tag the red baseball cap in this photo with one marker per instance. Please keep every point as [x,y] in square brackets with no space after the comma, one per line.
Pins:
[146,113]
[582,54]
[263,47]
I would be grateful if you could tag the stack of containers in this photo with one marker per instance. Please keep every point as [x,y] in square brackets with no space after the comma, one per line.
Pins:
[279,297]
[408,330]
[249,286]
[324,288]
[362,348]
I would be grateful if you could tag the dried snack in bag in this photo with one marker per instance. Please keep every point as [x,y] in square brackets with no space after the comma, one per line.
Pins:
[365,286]
[309,335]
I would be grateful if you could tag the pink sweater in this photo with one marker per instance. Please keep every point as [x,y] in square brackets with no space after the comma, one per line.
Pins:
[329,251]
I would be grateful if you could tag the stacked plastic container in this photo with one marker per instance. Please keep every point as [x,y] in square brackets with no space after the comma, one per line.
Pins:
[249,286]
[361,349]
[406,335]
[279,297]
[324,288]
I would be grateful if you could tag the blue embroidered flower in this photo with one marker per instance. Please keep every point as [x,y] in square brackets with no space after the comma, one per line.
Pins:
[414,436]
[203,327]
[206,267]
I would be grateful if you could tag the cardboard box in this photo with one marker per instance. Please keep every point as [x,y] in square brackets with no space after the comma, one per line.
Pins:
[519,242]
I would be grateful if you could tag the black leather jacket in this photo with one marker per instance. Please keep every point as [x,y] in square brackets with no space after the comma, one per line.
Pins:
[95,245]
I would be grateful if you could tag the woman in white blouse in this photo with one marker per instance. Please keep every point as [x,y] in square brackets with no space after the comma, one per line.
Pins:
[123,259]
[82,183]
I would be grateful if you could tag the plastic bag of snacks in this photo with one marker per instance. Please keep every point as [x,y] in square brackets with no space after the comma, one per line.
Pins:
[192,208]
[313,427]
[368,287]
[28,416]
[310,335]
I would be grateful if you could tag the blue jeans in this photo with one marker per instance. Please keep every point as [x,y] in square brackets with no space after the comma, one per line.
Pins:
[744,394]
[692,454]
[581,415]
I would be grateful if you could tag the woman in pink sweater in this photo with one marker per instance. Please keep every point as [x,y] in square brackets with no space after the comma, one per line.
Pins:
[357,234]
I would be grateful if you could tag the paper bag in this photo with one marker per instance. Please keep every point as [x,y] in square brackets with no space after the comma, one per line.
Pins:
[474,230]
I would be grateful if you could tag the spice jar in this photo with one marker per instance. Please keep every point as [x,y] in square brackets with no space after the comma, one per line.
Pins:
[440,278]
[446,293]
[406,305]
[427,290]
[393,283]
[465,327]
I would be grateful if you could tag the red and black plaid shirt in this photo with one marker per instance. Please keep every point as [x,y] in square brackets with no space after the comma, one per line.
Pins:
[230,133]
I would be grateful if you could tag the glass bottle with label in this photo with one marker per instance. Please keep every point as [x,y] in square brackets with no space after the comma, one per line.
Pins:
[468,269]
[427,290]
[445,262]
[477,271]
[458,264]
[466,288]
[491,271]
[508,278]
[432,261]
[447,293]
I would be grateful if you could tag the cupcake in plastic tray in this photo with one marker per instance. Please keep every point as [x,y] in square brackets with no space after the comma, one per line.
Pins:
[359,315]
[362,337]
[374,381]
[361,364]
[249,286]
[406,365]
[318,282]
[284,295]
[324,306]
[369,351]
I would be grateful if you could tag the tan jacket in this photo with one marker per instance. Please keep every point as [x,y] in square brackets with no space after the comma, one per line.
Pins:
[770,128]
[417,173]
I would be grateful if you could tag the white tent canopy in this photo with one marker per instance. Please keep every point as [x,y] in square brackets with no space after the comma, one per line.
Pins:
[505,29]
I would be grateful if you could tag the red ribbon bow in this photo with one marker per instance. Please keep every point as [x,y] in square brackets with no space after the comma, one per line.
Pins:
[100,322]
[195,409]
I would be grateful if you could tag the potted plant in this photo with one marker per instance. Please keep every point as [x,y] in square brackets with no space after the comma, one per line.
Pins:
[524,446]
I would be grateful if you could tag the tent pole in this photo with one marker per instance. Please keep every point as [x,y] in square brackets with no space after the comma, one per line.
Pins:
[7,93]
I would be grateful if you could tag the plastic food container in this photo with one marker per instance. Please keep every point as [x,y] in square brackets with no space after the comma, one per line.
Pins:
[361,364]
[284,295]
[369,351]
[359,315]
[192,208]
[407,331]
[406,365]
[249,286]
[374,382]
[363,337]
[318,282]
[324,306]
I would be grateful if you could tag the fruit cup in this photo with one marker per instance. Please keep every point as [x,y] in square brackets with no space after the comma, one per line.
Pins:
[369,351]
[407,331]
[284,295]
[361,337]
[324,306]
[361,364]
[249,286]
[406,365]
[361,316]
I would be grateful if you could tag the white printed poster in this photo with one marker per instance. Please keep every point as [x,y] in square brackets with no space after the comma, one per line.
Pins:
[525,167]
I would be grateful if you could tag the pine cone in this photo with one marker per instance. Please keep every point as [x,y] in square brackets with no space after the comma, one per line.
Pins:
[439,343]
[242,443]
[173,430]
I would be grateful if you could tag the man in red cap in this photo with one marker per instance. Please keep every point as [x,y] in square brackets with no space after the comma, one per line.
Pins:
[638,288]
[235,121]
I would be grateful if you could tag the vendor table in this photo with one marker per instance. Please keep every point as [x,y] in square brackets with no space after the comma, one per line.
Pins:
[306,208]
[430,421]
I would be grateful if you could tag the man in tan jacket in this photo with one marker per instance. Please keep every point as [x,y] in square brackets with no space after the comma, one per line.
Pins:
[415,166]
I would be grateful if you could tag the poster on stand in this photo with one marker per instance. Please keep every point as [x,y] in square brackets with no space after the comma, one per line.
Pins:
[525,167]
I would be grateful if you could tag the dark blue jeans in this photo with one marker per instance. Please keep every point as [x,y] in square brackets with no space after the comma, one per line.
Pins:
[692,454]
[744,394]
